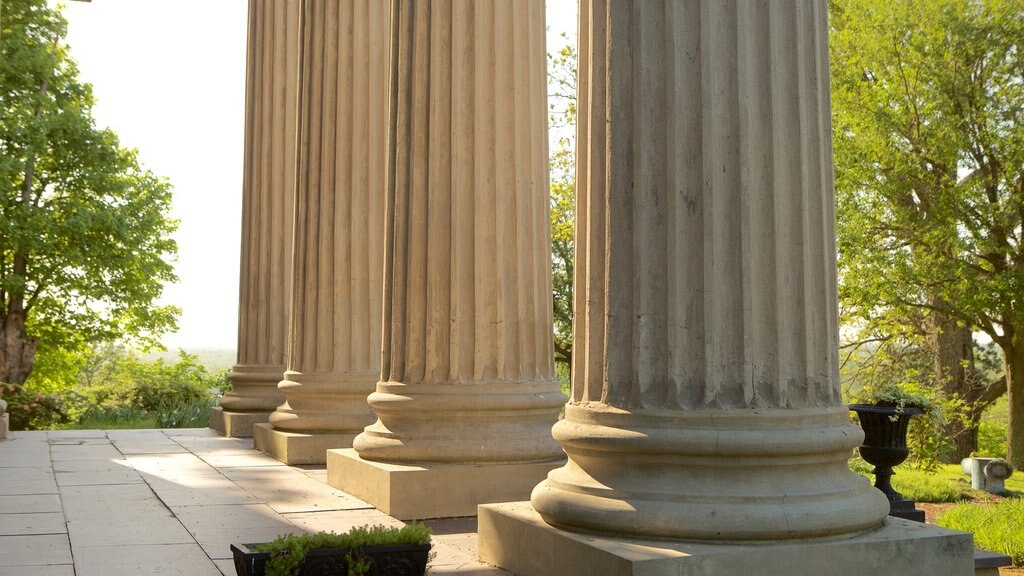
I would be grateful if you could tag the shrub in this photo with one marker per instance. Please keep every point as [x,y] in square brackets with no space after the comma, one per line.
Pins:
[118,378]
[287,551]
[997,527]
[31,410]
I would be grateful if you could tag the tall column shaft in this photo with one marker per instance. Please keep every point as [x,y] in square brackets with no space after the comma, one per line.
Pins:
[334,339]
[268,193]
[706,401]
[467,373]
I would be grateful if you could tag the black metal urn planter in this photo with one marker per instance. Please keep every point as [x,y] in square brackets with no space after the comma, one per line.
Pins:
[364,551]
[397,560]
[885,447]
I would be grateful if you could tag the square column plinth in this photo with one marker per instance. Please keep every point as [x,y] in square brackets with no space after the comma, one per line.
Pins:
[514,537]
[295,448]
[413,492]
[235,424]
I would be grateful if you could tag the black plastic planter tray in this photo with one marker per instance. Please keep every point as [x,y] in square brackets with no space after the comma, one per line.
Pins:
[405,560]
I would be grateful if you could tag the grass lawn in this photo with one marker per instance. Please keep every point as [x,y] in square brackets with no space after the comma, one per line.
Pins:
[997,521]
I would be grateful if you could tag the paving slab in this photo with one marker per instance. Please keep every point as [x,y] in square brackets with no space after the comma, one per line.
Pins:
[41,486]
[101,465]
[171,466]
[190,432]
[239,460]
[75,434]
[30,503]
[34,550]
[20,453]
[162,560]
[48,570]
[226,566]
[127,530]
[216,446]
[217,527]
[212,491]
[32,523]
[111,502]
[341,520]
[122,476]
[84,452]
[127,448]
[27,473]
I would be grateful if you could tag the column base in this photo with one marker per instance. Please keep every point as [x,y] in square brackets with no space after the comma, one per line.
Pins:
[297,448]
[235,424]
[5,425]
[515,538]
[414,492]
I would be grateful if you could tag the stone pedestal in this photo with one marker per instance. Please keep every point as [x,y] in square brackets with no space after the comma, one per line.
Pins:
[514,536]
[337,273]
[235,424]
[411,492]
[268,194]
[467,377]
[706,403]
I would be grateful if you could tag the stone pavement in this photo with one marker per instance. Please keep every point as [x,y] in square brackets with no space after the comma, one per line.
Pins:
[107,503]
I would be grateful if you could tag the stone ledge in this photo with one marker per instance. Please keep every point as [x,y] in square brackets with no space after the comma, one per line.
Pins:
[514,537]
[235,424]
[988,563]
[296,448]
[412,492]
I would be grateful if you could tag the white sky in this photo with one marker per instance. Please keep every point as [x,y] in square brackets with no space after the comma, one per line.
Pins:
[169,78]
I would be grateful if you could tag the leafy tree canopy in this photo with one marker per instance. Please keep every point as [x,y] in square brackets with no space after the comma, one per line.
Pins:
[562,98]
[85,245]
[929,147]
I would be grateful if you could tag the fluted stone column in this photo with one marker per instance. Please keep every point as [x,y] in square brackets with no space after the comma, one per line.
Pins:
[335,333]
[268,193]
[467,392]
[706,403]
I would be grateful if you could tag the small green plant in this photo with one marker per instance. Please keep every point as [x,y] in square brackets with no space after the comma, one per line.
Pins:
[998,527]
[194,414]
[893,395]
[288,551]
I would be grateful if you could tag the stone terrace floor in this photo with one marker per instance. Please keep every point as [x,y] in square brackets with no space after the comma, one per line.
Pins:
[107,503]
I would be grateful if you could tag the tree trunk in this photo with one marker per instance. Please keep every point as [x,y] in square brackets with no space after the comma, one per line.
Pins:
[17,351]
[1014,358]
[956,377]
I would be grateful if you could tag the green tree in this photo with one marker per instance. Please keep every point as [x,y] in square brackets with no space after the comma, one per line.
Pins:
[562,103]
[85,245]
[929,148]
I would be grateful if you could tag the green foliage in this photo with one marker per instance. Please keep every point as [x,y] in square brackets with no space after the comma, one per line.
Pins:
[32,410]
[85,241]
[928,98]
[997,527]
[115,418]
[898,396]
[926,486]
[288,551]
[194,414]
[991,440]
[116,377]
[562,103]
